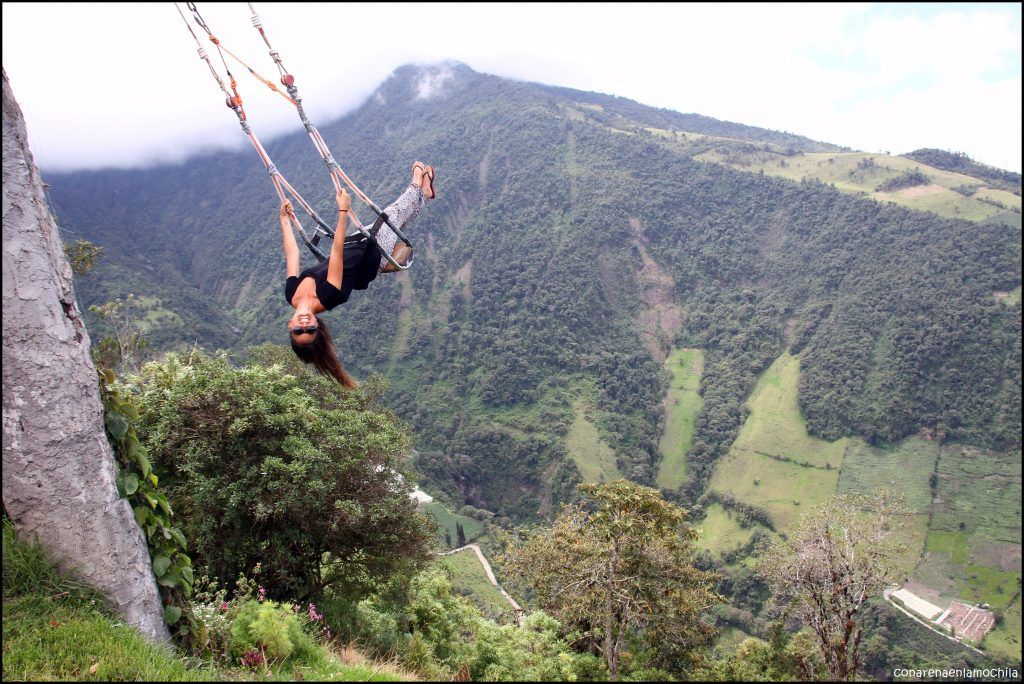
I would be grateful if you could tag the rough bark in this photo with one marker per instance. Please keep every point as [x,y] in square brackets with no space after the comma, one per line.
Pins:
[58,468]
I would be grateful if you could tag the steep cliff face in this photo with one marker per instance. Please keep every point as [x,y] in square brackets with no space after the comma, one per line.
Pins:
[58,484]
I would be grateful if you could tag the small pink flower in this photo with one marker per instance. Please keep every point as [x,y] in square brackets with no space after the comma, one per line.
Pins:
[224,607]
[295,607]
[263,594]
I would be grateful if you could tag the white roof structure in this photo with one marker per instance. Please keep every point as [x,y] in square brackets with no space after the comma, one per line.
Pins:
[913,602]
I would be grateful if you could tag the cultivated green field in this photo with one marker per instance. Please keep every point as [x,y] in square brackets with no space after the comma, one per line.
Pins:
[905,466]
[593,457]
[979,492]
[952,544]
[861,173]
[973,550]
[1005,639]
[470,580]
[774,463]
[682,405]
[446,521]
[719,531]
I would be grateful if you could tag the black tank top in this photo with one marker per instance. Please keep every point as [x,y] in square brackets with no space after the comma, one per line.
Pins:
[362,262]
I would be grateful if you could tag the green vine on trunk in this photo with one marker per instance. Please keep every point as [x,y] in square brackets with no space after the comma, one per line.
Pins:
[137,482]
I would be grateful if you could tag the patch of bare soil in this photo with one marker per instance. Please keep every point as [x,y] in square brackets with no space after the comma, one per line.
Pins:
[662,317]
[994,554]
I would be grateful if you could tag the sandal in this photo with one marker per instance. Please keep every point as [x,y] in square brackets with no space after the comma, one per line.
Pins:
[428,172]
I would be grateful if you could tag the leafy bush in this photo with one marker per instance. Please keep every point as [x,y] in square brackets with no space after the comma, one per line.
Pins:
[272,628]
[290,472]
[442,635]
[904,180]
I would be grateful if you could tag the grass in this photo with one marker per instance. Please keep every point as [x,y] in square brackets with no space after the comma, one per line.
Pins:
[1005,639]
[719,531]
[594,458]
[682,405]
[988,585]
[56,629]
[469,579]
[774,430]
[852,172]
[905,466]
[953,544]
[446,521]
[979,492]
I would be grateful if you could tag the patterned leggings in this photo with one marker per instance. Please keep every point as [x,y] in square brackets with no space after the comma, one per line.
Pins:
[401,211]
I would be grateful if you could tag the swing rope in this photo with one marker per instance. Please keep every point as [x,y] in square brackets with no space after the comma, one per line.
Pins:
[338,176]
[234,102]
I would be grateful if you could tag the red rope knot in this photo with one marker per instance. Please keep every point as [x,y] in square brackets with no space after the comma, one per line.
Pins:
[215,40]
[288,80]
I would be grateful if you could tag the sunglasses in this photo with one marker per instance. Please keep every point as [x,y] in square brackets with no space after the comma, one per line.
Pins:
[303,331]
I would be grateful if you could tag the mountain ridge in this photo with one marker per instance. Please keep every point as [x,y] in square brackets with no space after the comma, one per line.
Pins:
[504,319]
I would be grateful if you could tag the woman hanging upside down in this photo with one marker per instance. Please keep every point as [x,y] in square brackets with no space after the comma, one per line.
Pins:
[348,267]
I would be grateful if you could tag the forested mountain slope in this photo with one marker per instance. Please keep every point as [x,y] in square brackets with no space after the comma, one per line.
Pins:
[570,249]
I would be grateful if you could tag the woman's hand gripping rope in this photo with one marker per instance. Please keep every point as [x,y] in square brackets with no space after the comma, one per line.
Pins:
[343,200]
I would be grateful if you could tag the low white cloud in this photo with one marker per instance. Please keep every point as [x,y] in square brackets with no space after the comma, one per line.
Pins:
[432,80]
[106,84]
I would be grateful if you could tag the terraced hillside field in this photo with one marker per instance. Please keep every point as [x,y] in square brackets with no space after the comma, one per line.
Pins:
[973,550]
[946,193]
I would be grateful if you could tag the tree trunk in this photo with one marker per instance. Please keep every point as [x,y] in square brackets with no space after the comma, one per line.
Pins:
[58,468]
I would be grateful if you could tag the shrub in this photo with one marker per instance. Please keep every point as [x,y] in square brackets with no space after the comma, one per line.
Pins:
[293,472]
[271,628]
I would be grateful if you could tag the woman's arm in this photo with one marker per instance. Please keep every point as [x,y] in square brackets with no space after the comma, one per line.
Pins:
[291,248]
[336,265]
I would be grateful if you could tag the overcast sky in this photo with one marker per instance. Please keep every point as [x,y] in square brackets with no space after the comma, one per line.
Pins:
[121,84]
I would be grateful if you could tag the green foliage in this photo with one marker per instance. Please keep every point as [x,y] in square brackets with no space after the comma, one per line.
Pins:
[961,163]
[441,635]
[82,255]
[618,564]
[904,180]
[55,629]
[271,627]
[782,658]
[137,482]
[291,472]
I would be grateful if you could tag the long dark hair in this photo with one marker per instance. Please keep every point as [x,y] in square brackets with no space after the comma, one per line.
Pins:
[322,354]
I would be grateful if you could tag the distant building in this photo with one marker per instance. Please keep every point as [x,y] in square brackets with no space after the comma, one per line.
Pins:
[929,611]
[967,621]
